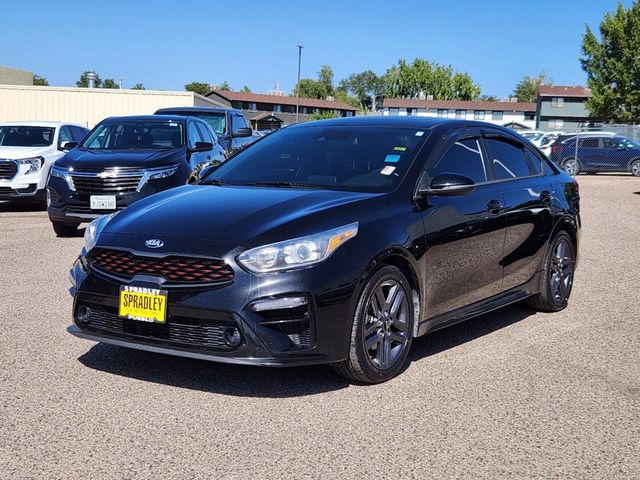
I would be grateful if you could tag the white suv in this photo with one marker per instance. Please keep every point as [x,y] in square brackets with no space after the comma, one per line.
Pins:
[27,152]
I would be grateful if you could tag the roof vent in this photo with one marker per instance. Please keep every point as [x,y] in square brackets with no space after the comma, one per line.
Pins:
[429,97]
[513,99]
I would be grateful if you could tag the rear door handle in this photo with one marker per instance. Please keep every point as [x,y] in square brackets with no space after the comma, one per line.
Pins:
[494,206]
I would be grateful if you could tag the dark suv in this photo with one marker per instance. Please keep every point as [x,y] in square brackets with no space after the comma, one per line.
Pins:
[124,159]
[593,154]
[228,124]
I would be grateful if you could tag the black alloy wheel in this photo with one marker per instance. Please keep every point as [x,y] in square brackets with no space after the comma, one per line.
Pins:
[382,328]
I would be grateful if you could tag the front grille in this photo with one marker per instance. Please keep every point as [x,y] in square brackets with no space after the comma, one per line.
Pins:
[177,330]
[8,170]
[110,186]
[85,210]
[177,270]
[6,191]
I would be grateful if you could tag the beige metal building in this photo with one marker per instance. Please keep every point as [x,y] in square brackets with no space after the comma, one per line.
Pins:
[88,106]
[15,76]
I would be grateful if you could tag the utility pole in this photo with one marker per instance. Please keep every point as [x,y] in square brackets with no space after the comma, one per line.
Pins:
[300,47]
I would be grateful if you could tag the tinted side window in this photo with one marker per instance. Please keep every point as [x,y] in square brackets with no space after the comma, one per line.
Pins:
[537,166]
[64,136]
[588,143]
[204,132]
[464,157]
[238,122]
[508,160]
[78,133]
[612,143]
[194,135]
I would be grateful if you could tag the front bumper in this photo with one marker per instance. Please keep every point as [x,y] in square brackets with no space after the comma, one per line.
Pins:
[22,185]
[70,207]
[317,333]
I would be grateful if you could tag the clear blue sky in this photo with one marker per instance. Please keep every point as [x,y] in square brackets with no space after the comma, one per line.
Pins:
[165,44]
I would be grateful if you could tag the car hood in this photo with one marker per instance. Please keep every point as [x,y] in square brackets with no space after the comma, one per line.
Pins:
[242,216]
[22,152]
[98,159]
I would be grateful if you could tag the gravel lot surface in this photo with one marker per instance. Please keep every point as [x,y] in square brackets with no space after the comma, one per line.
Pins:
[512,394]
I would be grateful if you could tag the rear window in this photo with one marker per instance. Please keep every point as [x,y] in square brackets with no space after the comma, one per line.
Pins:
[25,136]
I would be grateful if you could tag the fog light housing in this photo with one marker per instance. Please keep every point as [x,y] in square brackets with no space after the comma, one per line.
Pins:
[83,315]
[281,303]
[232,336]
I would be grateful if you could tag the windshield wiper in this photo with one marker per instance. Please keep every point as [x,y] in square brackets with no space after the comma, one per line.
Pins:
[282,184]
[214,181]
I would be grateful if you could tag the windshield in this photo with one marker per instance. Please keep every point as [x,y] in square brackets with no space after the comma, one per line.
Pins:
[357,158]
[630,143]
[25,136]
[217,121]
[132,135]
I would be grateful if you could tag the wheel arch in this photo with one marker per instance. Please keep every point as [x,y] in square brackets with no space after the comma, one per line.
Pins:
[400,259]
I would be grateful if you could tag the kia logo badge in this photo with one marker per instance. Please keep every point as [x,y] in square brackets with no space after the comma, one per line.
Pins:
[154,243]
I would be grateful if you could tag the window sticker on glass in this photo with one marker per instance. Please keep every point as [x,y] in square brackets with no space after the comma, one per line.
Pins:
[419,133]
[388,170]
[173,124]
[392,158]
[399,149]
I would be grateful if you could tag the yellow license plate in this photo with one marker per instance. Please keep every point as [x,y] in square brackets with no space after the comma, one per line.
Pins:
[143,304]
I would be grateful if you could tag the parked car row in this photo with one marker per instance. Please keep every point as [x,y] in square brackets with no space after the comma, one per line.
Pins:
[588,152]
[83,175]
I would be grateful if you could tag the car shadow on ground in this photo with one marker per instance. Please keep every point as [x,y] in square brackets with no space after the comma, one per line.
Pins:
[246,381]
[20,207]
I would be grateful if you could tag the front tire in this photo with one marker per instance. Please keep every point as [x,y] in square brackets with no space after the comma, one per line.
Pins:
[64,229]
[557,276]
[382,329]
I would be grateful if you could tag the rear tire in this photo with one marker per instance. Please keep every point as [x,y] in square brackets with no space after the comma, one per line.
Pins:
[571,166]
[64,229]
[382,329]
[635,168]
[557,276]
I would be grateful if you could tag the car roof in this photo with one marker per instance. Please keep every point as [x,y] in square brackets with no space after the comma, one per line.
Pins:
[38,123]
[164,111]
[147,118]
[402,122]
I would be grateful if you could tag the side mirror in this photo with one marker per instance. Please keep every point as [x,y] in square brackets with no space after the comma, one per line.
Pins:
[621,146]
[448,184]
[208,169]
[202,147]
[242,132]
[66,146]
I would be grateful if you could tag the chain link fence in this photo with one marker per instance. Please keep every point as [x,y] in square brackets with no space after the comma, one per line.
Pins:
[589,150]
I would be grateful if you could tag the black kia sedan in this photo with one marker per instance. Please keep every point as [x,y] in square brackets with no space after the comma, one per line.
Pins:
[124,159]
[334,242]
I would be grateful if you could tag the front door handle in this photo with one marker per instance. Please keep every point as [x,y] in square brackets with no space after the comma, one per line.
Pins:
[494,206]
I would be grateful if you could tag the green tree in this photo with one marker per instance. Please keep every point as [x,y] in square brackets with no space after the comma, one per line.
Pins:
[245,89]
[367,87]
[325,77]
[341,95]
[323,115]
[41,81]
[428,78]
[84,83]
[110,83]
[224,86]
[198,87]
[612,64]
[138,86]
[527,88]
[310,88]
[464,88]
[488,98]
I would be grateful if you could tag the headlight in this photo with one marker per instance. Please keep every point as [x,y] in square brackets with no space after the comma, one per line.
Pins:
[93,230]
[34,163]
[167,172]
[64,174]
[297,253]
